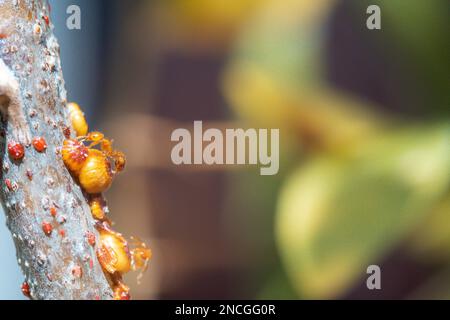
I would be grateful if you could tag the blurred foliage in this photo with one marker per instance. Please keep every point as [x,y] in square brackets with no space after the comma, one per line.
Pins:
[275,79]
[201,24]
[366,180]
[432,237]
[214,15]
[438,287]
[337,216]
[357,181]
[278,286]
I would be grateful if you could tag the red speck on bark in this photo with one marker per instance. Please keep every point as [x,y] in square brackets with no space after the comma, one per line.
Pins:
[53,211]
[9,184]
[49,277]
[16,150]
[26,289]
[47,228]
[39,144]
[77,272]
[66,132]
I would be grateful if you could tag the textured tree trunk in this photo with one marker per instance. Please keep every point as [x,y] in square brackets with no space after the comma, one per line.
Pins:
[46,210]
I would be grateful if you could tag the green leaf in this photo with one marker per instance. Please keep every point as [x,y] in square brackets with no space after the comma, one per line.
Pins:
[338,216]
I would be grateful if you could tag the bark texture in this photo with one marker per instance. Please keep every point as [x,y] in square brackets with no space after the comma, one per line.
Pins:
[62,264]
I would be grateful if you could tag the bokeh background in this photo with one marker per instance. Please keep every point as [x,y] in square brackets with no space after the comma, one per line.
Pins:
[364,119]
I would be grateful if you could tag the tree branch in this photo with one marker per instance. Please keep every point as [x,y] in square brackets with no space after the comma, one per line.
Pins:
[46,211]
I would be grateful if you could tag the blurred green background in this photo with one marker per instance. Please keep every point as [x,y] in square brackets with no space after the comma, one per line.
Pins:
[364,119]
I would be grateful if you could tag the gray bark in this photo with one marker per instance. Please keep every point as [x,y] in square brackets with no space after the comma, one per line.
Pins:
[33,99]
